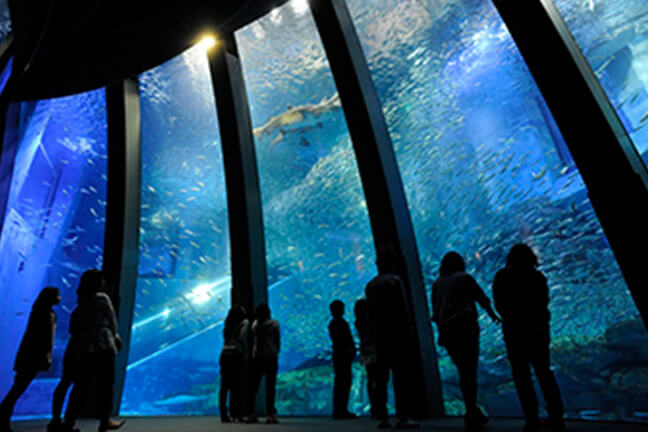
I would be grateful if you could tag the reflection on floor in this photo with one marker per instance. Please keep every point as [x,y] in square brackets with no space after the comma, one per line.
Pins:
[211,424]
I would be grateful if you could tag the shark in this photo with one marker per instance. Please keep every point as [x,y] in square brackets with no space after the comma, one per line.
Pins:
[300,119]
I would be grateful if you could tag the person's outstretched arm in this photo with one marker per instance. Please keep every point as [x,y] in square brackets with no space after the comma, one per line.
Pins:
[483,301]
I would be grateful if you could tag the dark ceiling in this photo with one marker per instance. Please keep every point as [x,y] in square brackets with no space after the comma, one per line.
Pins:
[70,46]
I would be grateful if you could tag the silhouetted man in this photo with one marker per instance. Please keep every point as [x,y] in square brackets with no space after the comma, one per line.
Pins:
[390,319]
[377,376]
[344,351]
[521,297]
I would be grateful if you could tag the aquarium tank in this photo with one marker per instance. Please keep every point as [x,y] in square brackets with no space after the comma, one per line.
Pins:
[483,165]
[183,285]
[318,238]
[53,227]
[613,36]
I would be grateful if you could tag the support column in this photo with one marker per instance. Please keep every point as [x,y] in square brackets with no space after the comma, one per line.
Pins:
[121,242]
[249,277]
[386,202]
[612,170]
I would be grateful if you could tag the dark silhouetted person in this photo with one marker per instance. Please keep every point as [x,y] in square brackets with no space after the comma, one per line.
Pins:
[35,351]
[69,371]
[377,377]
[266,344]
[344,352]
[454,297]
[390,320]
[97,344]
[232,358]
[521,297]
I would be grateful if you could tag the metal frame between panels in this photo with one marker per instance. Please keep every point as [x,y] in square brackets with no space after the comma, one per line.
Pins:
[121,241]
[249,275]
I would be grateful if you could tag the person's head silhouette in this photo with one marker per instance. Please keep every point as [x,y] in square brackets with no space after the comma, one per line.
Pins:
[90,284]
[387,259]
[360,308]
[337,308]
[48,297]
[521,256]
[451,263]
[262,312]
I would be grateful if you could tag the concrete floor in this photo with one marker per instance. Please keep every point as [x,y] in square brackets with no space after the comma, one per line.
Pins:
[213,424]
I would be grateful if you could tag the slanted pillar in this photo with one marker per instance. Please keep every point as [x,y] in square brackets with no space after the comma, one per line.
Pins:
[615,176]
[386,202]
[121,242]
[249,277]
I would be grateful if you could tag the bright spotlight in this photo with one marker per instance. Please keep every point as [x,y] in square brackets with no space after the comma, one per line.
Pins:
[207,42]
[300,6]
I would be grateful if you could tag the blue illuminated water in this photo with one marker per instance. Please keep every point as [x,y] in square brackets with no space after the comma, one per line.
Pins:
[482,162]
[613,36]
[316,223]
[484,167]
[54,224]
[5,19]
[184,285]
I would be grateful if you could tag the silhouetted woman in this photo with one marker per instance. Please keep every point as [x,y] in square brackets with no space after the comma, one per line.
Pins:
[454,297]
[521,297]
[69,367]
[95,349]
[35,351]
[265,361]
[231,361]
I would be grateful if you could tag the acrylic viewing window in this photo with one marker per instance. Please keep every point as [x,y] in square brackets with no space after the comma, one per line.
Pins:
[484,166]
[54,225]
[318,239]
[184,283]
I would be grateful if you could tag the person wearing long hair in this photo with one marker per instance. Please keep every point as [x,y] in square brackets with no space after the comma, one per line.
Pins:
[266,344]
[94,354]
[35,352]
[233,355]
[521,296]
[455,295]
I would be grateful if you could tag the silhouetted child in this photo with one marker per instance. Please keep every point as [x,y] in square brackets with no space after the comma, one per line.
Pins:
[377,377]
[389,317]
[232,358]
[266,344]
[344,351]
[454,297]
[35,351]
[98,343]
[521,297]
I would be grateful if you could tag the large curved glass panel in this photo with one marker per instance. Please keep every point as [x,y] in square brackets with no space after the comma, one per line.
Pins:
[613,35]
[484,167]
[183,284]
[5,19]
[318,238]
[54,225]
